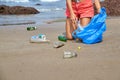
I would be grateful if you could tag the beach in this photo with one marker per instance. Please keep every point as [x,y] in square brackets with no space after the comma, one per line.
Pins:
[22,60]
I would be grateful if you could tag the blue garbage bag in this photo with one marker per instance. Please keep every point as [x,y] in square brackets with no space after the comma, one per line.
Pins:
[93,32]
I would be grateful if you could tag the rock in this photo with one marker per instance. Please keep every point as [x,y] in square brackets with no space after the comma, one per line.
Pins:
[112,7]
[38,4]
[17,10]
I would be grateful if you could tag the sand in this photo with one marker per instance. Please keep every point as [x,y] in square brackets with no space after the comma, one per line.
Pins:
[22,60]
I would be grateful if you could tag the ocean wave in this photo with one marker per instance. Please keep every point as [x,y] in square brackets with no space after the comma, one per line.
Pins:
[28,0]
[14,0]
[49,0]
[53,9]
[31,0]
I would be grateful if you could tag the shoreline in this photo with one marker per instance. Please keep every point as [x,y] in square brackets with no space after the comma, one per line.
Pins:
[33,22]
[19,23]
[47,21]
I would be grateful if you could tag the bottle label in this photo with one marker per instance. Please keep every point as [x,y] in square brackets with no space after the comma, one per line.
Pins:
[42,36]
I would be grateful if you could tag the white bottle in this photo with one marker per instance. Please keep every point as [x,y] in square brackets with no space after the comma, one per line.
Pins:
[80,27]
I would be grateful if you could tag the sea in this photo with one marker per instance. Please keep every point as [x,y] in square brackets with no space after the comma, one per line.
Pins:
[49,10]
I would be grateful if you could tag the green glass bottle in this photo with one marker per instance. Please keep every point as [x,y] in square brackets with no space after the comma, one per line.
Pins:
[31,28]
[62,38]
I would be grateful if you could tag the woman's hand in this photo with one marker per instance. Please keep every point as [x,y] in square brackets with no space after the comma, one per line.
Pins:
[73,18]
[98,10]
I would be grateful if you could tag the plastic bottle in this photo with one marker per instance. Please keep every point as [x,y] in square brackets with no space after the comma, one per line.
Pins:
[31,28]
[62,38]
[80,27]
[69,54]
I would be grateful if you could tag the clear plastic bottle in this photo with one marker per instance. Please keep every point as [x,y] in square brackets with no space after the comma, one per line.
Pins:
[69,54]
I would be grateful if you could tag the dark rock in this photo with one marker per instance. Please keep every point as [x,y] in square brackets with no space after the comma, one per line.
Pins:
[4,9]
[112,7]
[17,10]
[38,4]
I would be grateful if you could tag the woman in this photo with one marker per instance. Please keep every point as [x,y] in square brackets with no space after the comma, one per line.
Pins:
[79,10]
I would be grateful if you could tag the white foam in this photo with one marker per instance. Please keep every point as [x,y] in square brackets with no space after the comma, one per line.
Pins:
[49,0]
[15,0]
[47,9]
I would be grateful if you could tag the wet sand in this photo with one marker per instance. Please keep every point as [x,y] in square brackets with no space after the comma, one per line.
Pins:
[22,60]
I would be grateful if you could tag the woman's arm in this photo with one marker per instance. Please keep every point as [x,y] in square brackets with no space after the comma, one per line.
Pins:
[97,5]
[72,15]
[69,3]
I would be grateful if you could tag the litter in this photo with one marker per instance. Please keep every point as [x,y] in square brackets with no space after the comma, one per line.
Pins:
[62,38]
[39,39]
[79,47]
[58,44]
[31,28]
[69,54]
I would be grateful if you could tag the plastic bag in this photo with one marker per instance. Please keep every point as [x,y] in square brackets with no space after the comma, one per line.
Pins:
[92,33]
